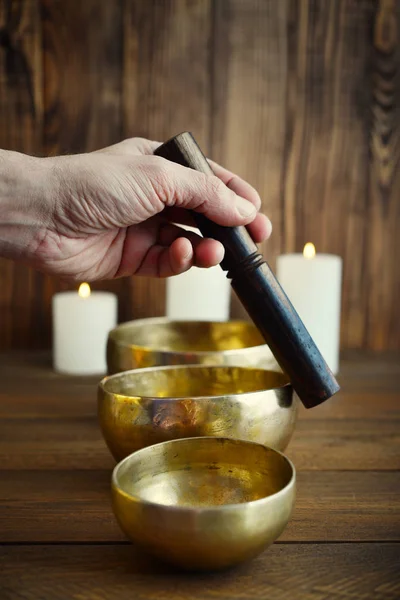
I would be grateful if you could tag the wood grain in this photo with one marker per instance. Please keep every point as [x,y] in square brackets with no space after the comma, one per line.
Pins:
[51,424]
[166,60]
[54,400]
[301,98]
[326,143]
[83,77]
[383,327]
[74,506]
[21,122]
[82,49]
[21,77]
[370,390]
[59,538]
[73,105]
[76,443]
[304,572]
[248,109]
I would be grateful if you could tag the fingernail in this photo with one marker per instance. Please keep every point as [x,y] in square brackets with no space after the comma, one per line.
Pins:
[244,207]
[220,253]
[188,252]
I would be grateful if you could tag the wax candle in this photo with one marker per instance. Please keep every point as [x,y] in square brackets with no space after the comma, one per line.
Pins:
[199,295]
[313,283]
[81,322]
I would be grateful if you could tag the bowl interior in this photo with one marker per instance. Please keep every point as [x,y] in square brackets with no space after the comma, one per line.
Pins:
[192,381]
[187,336]
[203,472]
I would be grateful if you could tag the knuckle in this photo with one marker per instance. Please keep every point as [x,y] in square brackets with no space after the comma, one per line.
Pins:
[216,187]
[138,142]
[160,176]
[133,145]
[158,167]
[127,144]
[143,145]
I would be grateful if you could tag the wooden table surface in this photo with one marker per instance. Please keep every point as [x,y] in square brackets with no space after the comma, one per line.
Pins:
[59,539]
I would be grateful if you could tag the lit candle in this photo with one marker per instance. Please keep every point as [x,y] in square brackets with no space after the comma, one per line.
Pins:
[313,283]
[81,322]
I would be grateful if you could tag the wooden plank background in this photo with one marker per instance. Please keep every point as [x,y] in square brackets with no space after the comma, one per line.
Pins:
[301,97]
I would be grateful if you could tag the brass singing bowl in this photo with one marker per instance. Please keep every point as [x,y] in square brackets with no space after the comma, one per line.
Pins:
[147,406]
[159,341]
[204,503]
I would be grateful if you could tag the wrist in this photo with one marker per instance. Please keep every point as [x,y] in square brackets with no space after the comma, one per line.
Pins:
[25,211]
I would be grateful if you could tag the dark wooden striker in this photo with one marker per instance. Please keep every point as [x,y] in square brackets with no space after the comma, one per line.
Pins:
[260,293]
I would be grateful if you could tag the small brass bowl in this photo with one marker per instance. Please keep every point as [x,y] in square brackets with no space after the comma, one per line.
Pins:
[146,406]
[204,503]
[155,342]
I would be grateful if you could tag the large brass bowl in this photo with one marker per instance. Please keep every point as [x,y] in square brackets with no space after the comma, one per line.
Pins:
[147,406]
[204,503]
[154,342]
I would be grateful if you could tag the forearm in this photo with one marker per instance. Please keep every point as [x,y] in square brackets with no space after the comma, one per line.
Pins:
[24,209]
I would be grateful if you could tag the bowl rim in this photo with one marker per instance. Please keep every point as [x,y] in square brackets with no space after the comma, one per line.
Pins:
[204,509]
[102,382]
[165,320]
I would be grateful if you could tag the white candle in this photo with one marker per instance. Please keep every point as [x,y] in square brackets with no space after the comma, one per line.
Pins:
[313,284]
[199,295]
[81,322]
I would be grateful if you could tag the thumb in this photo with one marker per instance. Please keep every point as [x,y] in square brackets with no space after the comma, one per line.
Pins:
[182,187]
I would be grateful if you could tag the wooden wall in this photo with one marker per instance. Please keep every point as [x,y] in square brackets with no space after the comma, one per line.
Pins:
[301,97]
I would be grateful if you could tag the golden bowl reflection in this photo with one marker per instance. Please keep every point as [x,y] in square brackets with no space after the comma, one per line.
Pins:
[153,342]
[147,406]
[204,503]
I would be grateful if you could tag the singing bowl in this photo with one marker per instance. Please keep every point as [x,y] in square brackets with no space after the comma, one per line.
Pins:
[204,503]
[146,406]
[159,341]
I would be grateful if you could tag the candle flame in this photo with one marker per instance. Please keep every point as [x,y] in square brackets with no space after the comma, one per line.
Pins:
[309,250]
[84,290]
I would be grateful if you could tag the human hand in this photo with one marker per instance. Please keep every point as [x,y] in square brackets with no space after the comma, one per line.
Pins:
[116,212]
